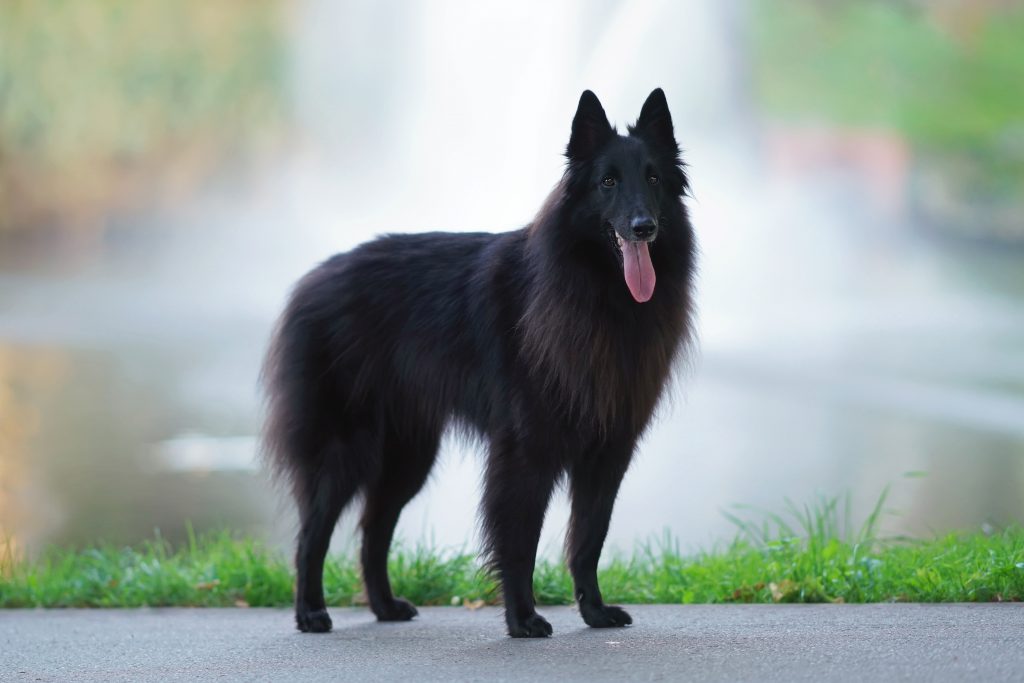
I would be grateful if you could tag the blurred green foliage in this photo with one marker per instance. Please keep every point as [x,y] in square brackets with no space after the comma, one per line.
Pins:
[882,63]
[948,76]
[102,102]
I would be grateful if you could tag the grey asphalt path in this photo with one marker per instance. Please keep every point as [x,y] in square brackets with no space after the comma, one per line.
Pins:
[667,643]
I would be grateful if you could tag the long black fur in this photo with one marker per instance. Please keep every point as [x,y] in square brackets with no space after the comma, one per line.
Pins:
[529,338]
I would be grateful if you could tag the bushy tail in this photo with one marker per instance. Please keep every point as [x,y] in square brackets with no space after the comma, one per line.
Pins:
[294,432]
[277,439]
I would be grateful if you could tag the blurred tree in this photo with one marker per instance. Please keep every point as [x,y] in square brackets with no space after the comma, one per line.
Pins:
[110,104]
[945,75]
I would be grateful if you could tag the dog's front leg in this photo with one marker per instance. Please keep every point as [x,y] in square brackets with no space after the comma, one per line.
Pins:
[517,487]
[594,483]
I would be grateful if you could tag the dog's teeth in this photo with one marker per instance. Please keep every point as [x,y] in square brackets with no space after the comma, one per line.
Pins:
[622,242]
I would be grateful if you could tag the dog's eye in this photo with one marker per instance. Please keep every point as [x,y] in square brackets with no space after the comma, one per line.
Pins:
[652,179]
[608,181]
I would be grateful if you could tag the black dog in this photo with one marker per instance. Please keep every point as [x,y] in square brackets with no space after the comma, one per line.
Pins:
[551,342]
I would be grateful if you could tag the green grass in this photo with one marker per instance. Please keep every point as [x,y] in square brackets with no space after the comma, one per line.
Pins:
[807,554]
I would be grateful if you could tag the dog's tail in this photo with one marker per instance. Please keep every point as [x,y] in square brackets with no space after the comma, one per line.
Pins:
[297,430]
[280,447]
[313,436]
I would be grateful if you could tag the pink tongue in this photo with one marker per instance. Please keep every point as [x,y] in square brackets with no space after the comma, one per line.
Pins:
[636,262]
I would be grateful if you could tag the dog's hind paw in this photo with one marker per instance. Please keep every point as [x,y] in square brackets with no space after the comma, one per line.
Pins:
[315,621]
[533,626]
[396,610]
[605,616]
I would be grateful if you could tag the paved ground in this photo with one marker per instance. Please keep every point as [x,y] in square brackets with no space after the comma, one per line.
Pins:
[671,643]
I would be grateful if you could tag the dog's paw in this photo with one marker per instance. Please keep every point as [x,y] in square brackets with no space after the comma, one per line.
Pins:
[396,610]
[313,621]
[605,616]
[533,626]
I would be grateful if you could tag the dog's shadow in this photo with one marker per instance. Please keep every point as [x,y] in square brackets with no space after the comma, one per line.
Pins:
[480,636]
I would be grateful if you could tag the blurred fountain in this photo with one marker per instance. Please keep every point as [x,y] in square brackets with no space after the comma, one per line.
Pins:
[838,349]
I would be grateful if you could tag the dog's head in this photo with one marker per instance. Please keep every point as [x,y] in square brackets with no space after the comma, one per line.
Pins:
[627,186]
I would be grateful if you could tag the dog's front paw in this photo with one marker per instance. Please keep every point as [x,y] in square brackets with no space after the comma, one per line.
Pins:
[312,621]
[605,616]
[395,610]
[533,626]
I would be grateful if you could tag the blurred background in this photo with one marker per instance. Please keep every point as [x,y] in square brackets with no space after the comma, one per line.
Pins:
[169,168]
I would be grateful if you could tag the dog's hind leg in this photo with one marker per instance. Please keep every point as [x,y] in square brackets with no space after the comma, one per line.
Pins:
[322,494]
[594,483]
[407,462]
[517,488]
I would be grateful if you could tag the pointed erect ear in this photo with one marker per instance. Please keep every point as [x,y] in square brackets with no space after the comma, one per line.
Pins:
[590,129]
[655,123]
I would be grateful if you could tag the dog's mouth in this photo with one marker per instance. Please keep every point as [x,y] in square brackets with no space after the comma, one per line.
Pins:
[635,259]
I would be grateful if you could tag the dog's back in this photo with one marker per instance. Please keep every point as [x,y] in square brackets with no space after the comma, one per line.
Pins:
[401,330]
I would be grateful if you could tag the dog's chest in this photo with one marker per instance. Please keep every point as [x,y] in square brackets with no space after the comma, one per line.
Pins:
[601,370]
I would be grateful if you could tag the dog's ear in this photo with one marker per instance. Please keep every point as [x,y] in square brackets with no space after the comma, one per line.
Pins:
[655,123]
[590,129]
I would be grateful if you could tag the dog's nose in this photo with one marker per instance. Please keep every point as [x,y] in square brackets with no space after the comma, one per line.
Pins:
[643,227]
